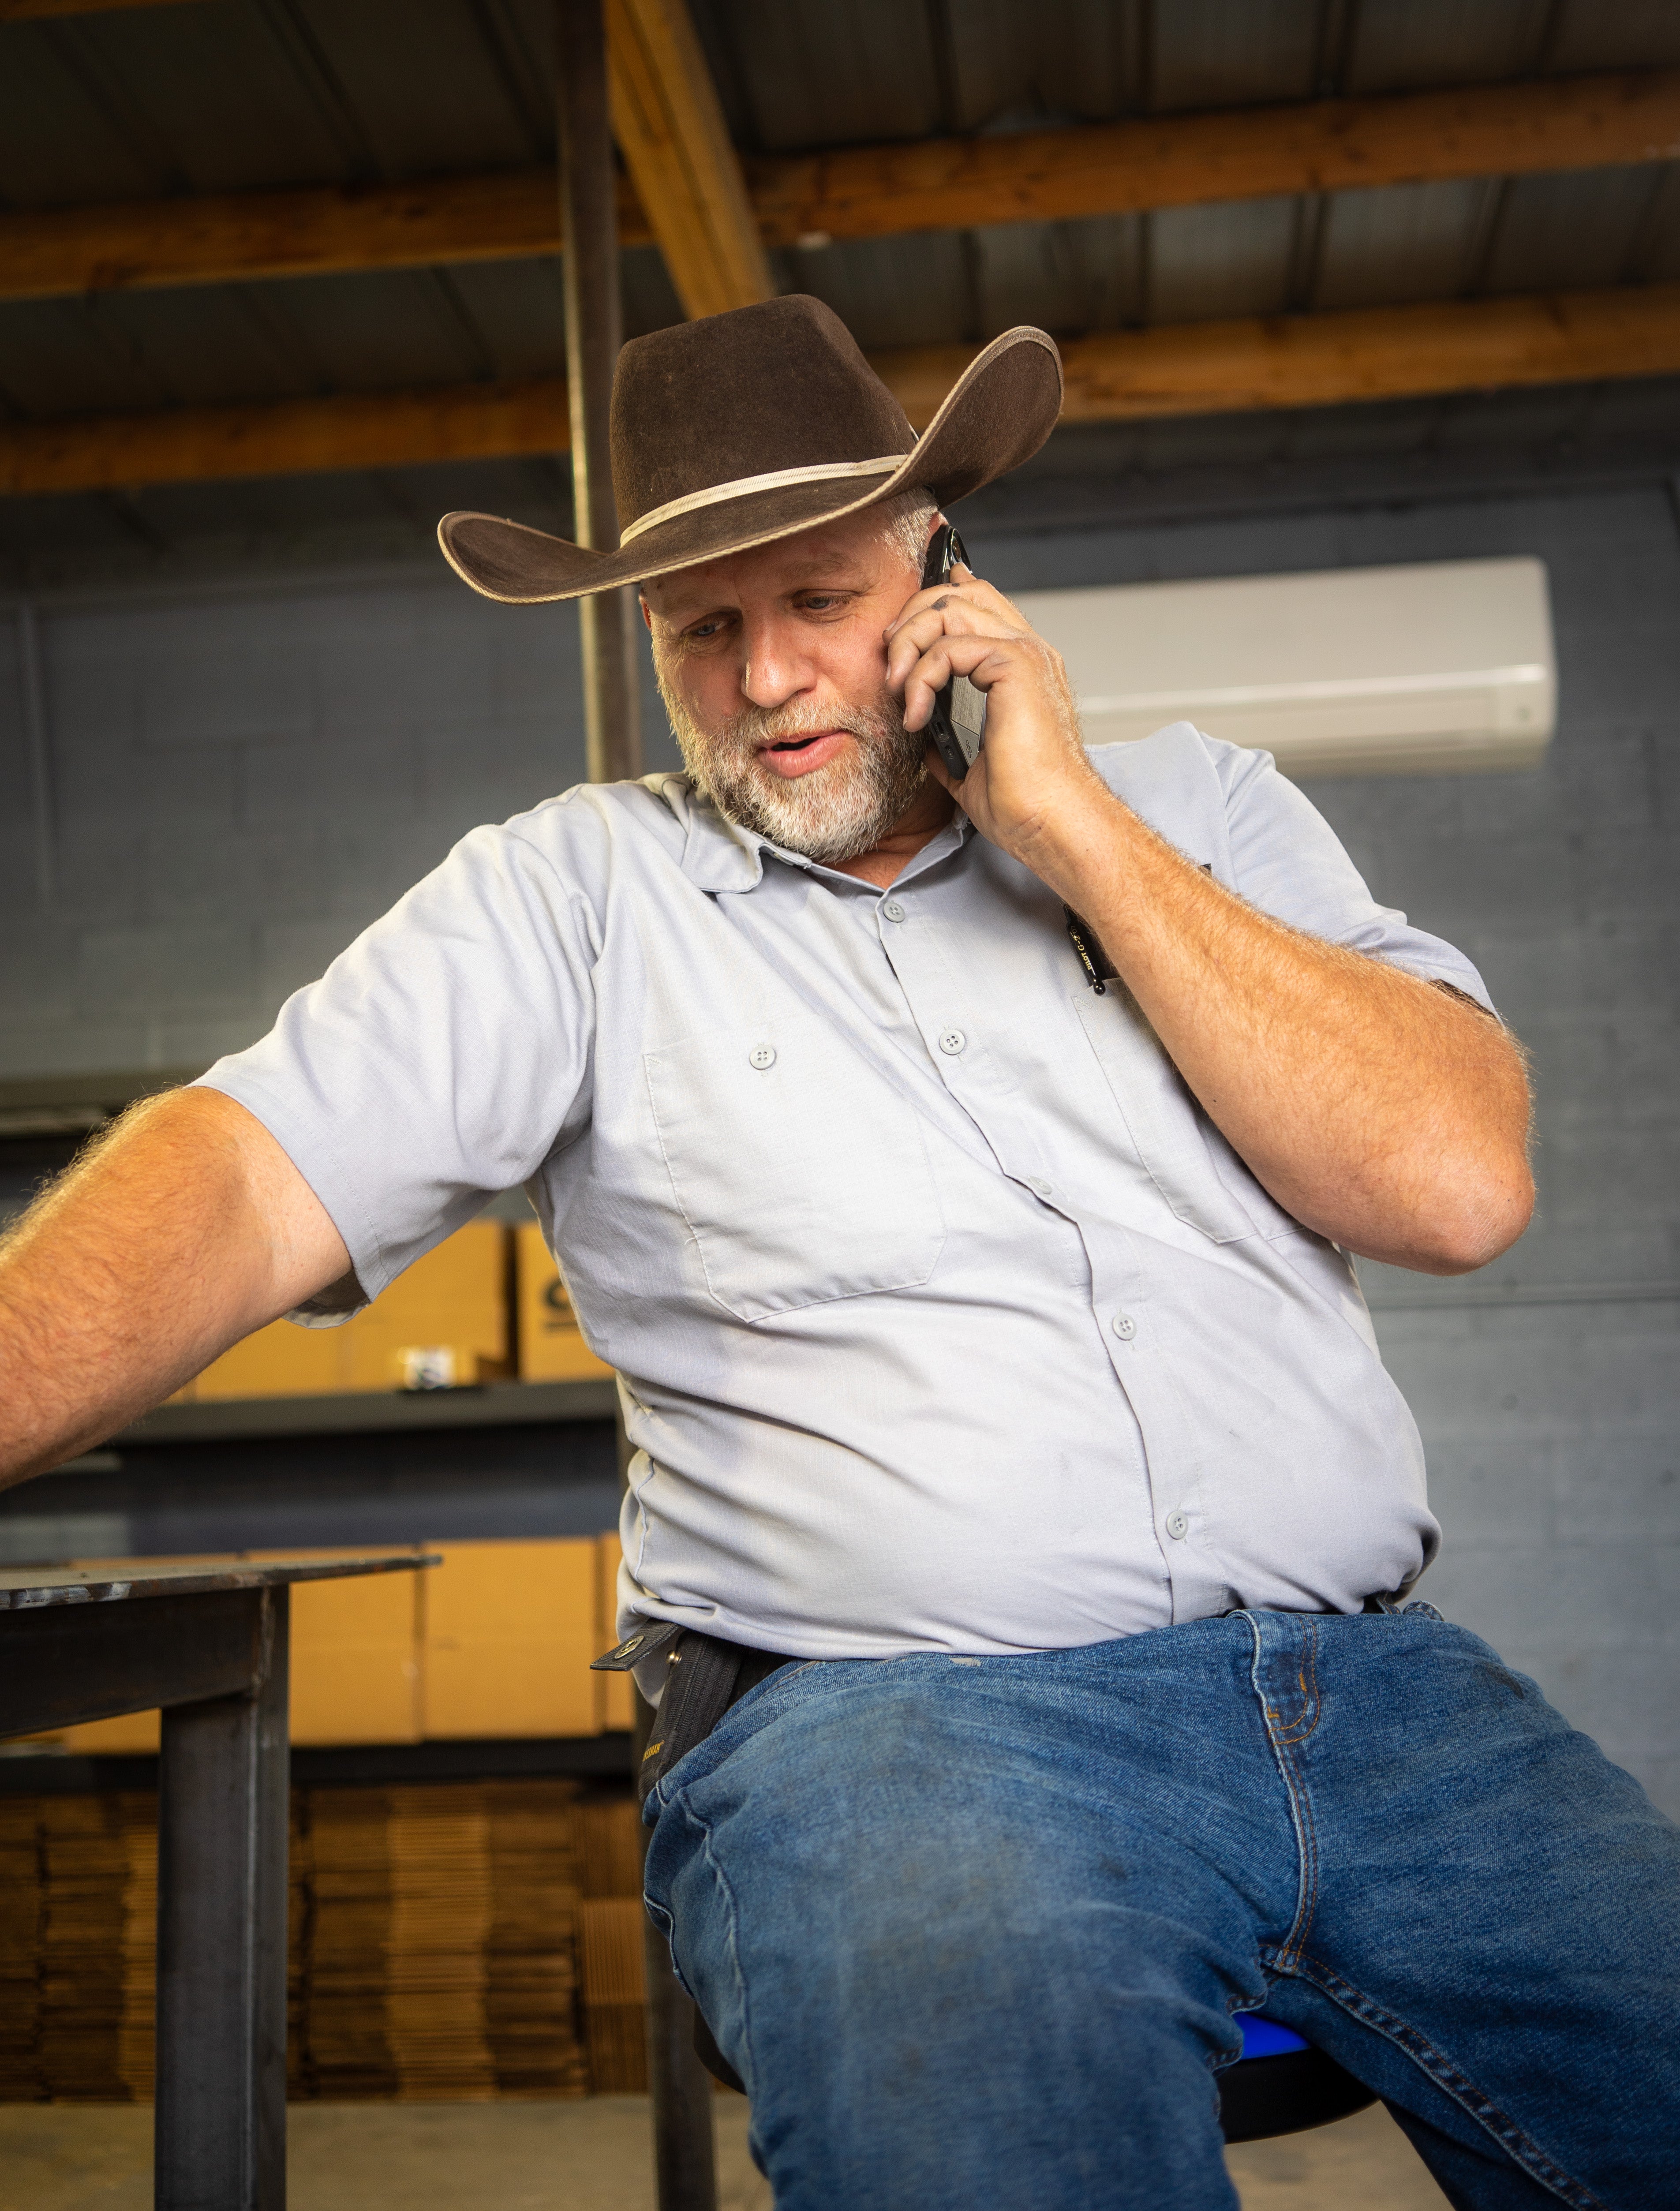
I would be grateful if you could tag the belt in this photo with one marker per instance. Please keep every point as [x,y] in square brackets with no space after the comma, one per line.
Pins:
[705,1676]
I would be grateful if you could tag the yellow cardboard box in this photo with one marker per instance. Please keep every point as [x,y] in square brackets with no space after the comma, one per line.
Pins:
[614,1694]
[447,1315]
[277,1361]
[495,1642]
[355,1657]
[355,1666]
[551,1344]
[454,1300]
[131,1735]
[509,1633]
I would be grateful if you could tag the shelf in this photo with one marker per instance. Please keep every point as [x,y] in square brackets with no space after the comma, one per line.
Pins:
[586,1758]
[496,1404]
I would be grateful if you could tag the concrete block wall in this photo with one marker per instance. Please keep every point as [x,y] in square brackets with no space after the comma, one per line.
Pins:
[237,781]
[240,780]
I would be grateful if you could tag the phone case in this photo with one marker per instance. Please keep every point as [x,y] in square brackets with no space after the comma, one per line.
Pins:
[957,723]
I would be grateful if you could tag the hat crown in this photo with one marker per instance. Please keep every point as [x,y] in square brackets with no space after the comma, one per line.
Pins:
[779,385]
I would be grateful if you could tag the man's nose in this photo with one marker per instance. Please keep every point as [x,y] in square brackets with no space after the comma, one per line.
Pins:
[775,667]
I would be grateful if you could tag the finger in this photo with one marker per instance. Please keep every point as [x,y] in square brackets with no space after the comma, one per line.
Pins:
[947,617]
[981,659]
[964,589]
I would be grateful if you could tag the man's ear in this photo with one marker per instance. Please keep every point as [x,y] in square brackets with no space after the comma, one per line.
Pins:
[646,611]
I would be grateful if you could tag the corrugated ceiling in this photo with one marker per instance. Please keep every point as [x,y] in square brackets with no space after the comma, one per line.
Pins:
[233,95]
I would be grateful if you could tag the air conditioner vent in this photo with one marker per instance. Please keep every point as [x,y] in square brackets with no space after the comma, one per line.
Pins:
[1421,670]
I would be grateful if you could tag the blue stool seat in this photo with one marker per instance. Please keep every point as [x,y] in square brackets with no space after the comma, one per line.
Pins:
[1281,2085]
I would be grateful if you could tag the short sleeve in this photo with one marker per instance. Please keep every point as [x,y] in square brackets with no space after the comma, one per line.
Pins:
[1287,861]
[445,1054]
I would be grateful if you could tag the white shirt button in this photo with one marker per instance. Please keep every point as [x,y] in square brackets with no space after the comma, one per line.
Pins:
[1177,1525]
[951,1041]
[892,910]
[1040,1187]
[1124,1326]
[762,1056]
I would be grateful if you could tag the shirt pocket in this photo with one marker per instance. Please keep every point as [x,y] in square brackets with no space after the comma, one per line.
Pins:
[802,1174]
[1173,1139]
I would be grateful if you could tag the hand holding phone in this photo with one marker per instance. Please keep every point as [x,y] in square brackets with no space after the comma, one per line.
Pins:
[957,725]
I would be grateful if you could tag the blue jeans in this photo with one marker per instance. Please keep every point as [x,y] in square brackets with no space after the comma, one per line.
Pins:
[972,1931]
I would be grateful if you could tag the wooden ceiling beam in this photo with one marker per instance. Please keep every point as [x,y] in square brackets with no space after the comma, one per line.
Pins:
[868,191]
[1236,154]
[244,237]
[668,123]
[295,437]
[1186,368]
[1327,360]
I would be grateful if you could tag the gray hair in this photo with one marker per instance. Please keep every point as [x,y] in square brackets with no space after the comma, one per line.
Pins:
[907,523]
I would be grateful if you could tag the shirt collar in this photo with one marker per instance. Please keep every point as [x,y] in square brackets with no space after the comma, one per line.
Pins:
[718,855]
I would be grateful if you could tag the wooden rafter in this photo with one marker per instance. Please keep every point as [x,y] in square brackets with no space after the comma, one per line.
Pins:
[243,237]
[1237,153]
[671,130]
[867,191]
[1297,360]
[296,437]
[1317,360]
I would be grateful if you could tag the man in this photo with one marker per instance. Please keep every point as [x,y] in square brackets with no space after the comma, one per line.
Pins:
[990,1345]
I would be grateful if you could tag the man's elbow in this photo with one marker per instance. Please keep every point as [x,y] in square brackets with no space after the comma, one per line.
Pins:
[1471,1225]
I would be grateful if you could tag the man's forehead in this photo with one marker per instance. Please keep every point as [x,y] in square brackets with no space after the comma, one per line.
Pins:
[850,550]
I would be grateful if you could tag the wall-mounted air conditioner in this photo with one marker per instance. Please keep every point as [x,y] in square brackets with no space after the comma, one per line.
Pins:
[1415,671]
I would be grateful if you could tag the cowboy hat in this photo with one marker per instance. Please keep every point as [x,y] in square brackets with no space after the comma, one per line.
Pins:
[746,427]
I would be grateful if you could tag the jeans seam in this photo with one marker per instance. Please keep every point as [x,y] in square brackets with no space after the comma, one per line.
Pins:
[732,1919]
[1298,1730]
[1518,2145]
[1301,1808]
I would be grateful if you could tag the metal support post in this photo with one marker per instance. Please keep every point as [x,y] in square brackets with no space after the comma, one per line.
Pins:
[222,1827]
[594,332]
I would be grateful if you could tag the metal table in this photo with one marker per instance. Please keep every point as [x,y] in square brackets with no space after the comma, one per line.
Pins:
[206,1640]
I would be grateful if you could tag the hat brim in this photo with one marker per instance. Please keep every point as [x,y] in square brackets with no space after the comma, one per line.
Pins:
[996,415]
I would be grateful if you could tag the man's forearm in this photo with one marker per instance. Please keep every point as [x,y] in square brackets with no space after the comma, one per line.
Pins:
[180,1231]
[1388,1116]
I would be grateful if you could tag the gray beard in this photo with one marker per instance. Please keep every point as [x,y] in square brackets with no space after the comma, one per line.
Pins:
[833,813]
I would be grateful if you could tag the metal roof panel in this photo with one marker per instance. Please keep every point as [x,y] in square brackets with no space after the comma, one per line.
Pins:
[1407,242]
[1561,233]
[1233,258]
[819,75]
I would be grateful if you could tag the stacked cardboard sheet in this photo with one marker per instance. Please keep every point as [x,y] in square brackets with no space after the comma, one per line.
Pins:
[97,1857]
[610,1939]
[530,1985]
[434,1943]
[22,1910]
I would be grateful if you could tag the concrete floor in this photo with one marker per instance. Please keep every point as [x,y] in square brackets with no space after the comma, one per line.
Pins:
[584,2156]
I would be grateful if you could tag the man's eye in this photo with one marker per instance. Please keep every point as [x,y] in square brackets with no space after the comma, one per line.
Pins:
[701,631]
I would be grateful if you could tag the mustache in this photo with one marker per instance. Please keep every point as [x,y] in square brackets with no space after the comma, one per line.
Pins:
[755,727]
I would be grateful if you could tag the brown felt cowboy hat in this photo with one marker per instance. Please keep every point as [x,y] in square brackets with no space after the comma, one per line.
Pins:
[742,428]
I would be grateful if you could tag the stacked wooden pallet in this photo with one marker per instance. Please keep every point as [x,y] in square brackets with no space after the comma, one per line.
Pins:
[457,1941]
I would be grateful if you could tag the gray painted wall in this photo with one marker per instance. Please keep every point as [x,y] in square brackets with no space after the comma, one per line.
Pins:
[239,780]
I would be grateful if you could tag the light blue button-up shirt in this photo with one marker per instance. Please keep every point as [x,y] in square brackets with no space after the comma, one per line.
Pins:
[945,1317]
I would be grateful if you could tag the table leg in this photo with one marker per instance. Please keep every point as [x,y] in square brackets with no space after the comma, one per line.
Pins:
[222,1830]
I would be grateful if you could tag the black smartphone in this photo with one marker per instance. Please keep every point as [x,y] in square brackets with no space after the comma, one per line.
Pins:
[957,725]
